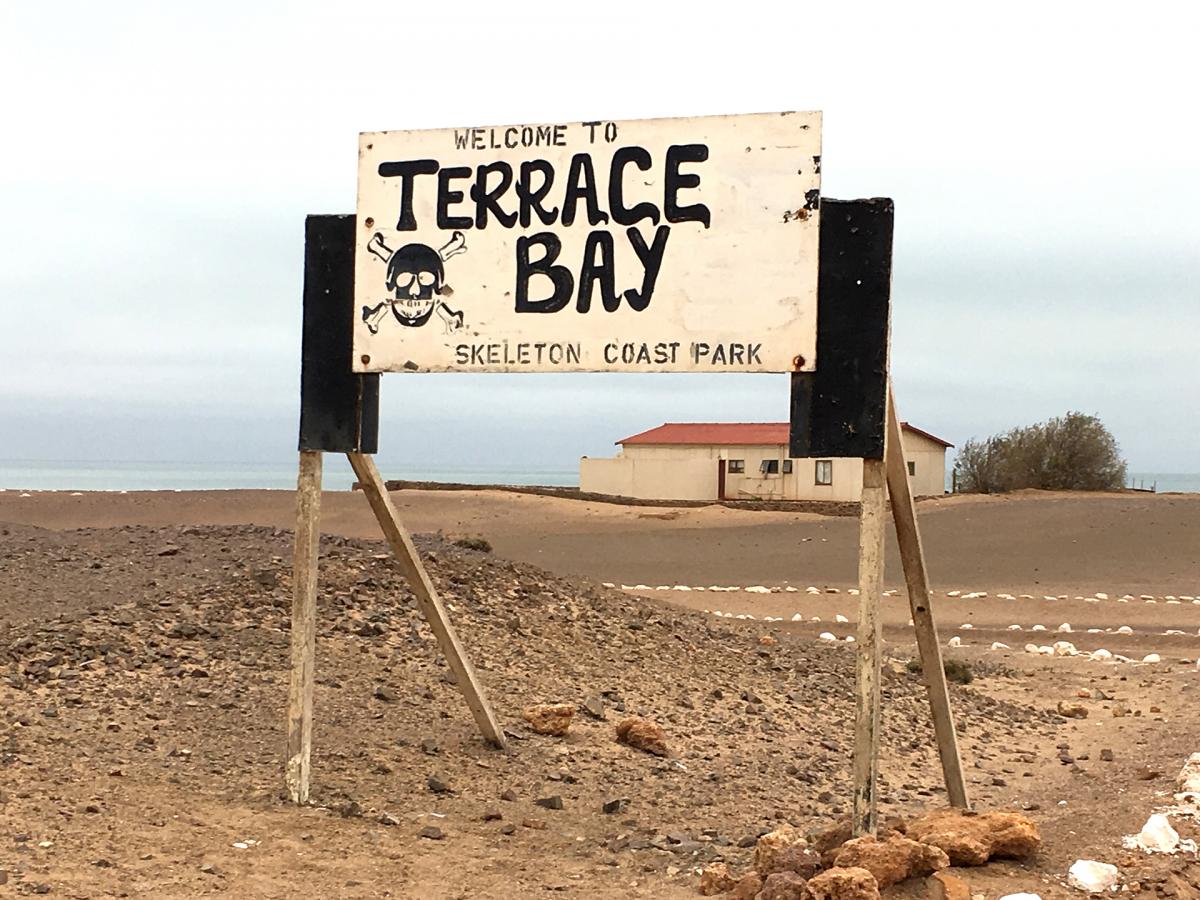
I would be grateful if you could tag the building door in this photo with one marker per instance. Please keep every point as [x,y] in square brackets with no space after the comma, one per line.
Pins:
[720,479]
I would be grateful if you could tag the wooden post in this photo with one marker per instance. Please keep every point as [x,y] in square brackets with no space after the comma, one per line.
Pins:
[427,598]
[304,625]
[870,590]
[912,557]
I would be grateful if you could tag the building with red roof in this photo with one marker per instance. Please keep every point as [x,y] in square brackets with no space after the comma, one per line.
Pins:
[745,461]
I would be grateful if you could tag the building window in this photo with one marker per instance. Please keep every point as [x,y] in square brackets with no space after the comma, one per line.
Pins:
[824,471]
[787,467]
[737,466]
[769,467]
[912,468]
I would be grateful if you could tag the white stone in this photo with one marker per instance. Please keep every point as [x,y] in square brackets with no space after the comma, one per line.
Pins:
[812,590]
[1064,648]
[1031,648]
[1064,628]
[955,641]
[1101,655]
[757,589]
[1151,658]
[1049,597]
[853,592]
[965,626]
[1095,631]
[996,645]
[797,618]
[1089,875]
[1014,627]
[840,619]
[953,593]
[1100,595]
[1038,628]
[1147,597]
[1046,651]
[1124,629]
[1157,835]
[791,589]
[607,584]
[681,587]
[849,639]
[1021,896]
[1189,775]
[826,636]
[717,612]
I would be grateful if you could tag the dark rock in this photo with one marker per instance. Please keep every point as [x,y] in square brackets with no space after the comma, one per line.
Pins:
[437,785]
[553,802]
[616,805]
[431,833]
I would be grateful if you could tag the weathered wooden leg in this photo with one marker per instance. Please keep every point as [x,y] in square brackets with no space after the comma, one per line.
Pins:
[427,599]
[912,556]
[304,619]
[870,589]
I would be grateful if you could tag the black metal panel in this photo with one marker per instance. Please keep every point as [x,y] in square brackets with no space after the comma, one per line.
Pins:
[339,411]
[840,409]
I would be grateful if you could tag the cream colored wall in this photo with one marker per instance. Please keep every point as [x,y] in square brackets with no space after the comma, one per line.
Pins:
[655,478]
[930,459]
[671,471]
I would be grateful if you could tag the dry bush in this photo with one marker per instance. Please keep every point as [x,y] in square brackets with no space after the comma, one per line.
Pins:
[1074,452]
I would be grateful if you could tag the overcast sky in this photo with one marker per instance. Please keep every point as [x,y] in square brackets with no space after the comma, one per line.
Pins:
[159,159]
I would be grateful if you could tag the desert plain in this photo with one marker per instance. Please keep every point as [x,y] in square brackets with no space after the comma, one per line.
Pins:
[144,669]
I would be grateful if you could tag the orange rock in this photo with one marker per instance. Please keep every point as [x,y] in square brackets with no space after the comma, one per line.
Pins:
[893,860]
[767,641]
[770,846]
[827,841]
[944,886]
[715,879]
[747,888]
[844,884]
[549,718]
[642,734]
[971,839]
[783,886]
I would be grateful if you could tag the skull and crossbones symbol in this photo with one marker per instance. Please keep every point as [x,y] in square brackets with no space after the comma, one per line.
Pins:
[416,279]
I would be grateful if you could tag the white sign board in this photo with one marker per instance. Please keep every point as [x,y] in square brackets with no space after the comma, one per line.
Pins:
[661,245]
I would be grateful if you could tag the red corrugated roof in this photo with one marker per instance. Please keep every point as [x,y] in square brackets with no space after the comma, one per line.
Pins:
[726,433]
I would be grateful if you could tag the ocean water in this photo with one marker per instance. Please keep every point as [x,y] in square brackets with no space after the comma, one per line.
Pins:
[1185,482]
[94,475]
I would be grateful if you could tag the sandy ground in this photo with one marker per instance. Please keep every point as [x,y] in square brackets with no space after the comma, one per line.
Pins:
[124,774]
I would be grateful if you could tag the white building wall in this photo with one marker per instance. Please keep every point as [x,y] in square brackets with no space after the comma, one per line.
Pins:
[656,478]
[681,472]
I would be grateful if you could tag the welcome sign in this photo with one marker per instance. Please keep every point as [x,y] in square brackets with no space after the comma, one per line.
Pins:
[660,245]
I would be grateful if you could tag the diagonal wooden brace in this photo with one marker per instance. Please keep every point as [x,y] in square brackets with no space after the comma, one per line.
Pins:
[916,577]
[427,598]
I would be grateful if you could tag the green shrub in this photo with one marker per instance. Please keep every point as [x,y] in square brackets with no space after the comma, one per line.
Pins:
[1074,452]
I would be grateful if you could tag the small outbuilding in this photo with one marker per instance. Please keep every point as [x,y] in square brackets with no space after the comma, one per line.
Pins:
[745,461]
